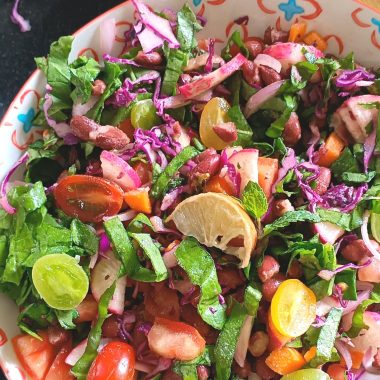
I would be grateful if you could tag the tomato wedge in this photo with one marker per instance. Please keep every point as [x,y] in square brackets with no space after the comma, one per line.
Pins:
[59,370]
[116,361]
[175,340]
[88,198]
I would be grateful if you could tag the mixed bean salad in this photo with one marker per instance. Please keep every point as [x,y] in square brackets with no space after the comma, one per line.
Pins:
[198,211]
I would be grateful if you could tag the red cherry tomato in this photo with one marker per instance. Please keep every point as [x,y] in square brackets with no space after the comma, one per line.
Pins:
[168,338]
[88,198]
[116,361]
[144,171]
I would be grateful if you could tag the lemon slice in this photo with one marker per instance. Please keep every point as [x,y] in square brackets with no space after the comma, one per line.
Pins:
[215,220]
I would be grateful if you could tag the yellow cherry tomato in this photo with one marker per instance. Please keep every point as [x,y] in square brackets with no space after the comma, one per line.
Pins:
[214,113]
[293,308]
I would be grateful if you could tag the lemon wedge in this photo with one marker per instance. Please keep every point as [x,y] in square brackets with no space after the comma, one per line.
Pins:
[217,220]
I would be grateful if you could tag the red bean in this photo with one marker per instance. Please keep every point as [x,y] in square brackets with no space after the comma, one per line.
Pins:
[254,47]
[268,75]
[268,268]
[57,335]
[258,343]
[273,35]
[251,74]
[356,250]
[270,286]
[242,372]
[282,206]
[263,371]
[295,270]
[292,130]
[226,131]
[148,59]
[110,328]
[323,180]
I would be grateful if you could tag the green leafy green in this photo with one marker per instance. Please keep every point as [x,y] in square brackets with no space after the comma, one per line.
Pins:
[200,268]
[349,278]
[358,178]
[80,369]
[66,318]
[348,62]
[160,185]
[252,297]
[187,27]
[83,236]
[244,130]
[291,217]
[347,221]
[176,60]
[345,163]
[235,39]
[254,200]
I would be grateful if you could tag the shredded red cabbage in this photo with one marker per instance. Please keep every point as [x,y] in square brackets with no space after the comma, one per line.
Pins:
[104,243]
[329,274]
[147,38]
[3,188]
[211,52]
[19,20]
[170,198]
[350,79]
[289,162]
[315,137]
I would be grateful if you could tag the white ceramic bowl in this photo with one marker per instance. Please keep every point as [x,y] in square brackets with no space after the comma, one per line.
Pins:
[348,25]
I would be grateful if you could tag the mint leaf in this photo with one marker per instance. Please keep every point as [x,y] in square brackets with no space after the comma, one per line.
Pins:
[200,268]
[66,318]
[345,163]
[187,27]
[84,237]
[358,178]
[252,297]
[254,200]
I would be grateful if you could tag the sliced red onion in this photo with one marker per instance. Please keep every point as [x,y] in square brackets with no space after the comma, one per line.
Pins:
[3,188]
[93,260]
[193,89]
[329,274]
[325,305]
[288,163]
[158,226]
[171,197]
[344,352]
[243,341]
[121,61]
[157,24]
[17,19]
[170,259]
[80,109]
[149,40]
[124,216]
[352,305]
[107,33]
[365,236]
[162,365]
[267,60]
[260,97]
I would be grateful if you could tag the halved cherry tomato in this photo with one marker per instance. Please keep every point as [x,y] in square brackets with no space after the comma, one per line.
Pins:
[138,200]
[175,340]
[87,310]
[59,370]
[293,308]
[116,361]
[268,172]
[35,356]
[219,184]
[144,171]
[88,198]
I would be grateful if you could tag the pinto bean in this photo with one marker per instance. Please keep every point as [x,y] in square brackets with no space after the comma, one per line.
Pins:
[268,268]
[148,59]
[270,286]
[323,180]
[282,206]
[251,74]
[103,136]
[356,250]
[272,35]
[254,47]
[292,130]
[226,131]
[268,75]
[98,87]
[258,343]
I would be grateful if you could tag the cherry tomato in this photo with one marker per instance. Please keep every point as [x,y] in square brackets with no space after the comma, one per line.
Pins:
[144,171]
[88,198]
[59,370]
[293,308]
[175,340]
[116,361]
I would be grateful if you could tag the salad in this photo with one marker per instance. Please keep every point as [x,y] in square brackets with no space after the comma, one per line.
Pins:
[194,212]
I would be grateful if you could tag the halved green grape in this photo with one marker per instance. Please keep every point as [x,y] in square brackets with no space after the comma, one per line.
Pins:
[307,374]
[375,226]
[143,115]
[60,281]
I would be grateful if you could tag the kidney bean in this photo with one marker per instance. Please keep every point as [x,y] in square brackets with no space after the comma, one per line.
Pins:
[170,375]
[110,328]
[262,313]
[356,250]
[323,180]
[148,59]
[254,47]
[57,335]
[272,35]
[282,206]
[292,130]
[258,343]
[103,136]
[268,268]
[229,277]
[263,371]
[251,74]
[226,131]
[98,87]
[268,75]
[242,372]
[189,314]
[295,270]
[206,168]
[270,286]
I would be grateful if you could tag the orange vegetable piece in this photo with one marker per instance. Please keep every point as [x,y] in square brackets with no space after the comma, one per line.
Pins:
[276,340]
[313,38]
[357,357]
[138,200]
[297,31]
[219,184]
[309,355]
[127,127]
[330,151]
[285,360]
[268,171]
[337,372]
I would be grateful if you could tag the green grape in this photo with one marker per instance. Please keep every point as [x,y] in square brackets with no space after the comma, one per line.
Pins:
[307,374]
[143,115]
[60,281]
[375,226]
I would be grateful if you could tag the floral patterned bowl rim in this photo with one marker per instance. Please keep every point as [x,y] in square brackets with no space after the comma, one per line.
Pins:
[347,25]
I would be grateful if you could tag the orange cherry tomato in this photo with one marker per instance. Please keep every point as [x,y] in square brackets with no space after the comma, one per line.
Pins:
[116,361]
[88,198]
[168,338]
[219,184]
[293,308]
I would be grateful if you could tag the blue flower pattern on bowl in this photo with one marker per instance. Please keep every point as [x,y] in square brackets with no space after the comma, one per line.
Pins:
[290,9]
[27,119]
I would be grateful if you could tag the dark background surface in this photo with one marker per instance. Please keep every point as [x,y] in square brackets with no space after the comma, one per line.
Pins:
[50,19]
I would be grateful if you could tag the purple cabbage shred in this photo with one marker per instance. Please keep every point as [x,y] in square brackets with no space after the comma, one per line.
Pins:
[19,20]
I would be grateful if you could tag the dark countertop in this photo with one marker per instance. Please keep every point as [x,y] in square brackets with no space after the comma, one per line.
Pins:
[50,19]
